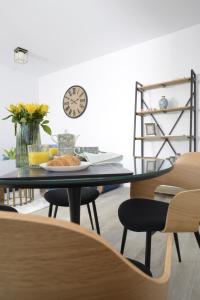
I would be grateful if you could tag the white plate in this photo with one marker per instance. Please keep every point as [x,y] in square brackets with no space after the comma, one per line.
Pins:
[84,165]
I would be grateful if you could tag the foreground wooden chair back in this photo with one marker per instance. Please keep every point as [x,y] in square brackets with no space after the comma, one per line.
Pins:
[44,258]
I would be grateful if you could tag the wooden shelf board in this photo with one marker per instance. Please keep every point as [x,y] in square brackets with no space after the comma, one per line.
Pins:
[157,111]
[157,137]
[165,84]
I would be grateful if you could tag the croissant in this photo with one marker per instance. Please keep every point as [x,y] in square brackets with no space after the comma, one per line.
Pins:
[73,160]
[66,160]
[55,162]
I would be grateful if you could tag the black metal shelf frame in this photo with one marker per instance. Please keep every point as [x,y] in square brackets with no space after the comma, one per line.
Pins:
[139,96]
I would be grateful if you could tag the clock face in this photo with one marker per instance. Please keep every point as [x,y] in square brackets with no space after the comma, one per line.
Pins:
[75,101]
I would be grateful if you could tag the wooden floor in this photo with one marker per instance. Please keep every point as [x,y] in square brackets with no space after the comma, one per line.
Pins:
[185,279]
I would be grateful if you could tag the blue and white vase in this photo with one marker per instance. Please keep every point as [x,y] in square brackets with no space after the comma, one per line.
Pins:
[163,103]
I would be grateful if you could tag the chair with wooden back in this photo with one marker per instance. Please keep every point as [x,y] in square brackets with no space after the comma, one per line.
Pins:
[181,215]
[185,175]
[44,258]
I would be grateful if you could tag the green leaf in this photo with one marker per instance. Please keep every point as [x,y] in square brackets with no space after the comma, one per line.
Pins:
[6,151]
[7,117]
[45,122]
[10,153]
[46,128]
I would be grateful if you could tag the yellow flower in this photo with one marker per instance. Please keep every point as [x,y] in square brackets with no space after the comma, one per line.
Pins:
[44,108]
[23,113]
[20,105]
[12,108]
[31,108]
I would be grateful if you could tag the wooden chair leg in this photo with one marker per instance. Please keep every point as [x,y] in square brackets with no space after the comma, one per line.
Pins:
[96,217]
[55,211]
[177,246]
[123,240]
[50,210]
[148,249]
[90,215]
[197,236]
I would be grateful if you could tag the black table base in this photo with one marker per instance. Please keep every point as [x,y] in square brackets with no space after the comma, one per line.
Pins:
[74,198]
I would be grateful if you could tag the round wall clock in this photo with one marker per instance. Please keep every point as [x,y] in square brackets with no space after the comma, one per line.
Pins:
[75,101]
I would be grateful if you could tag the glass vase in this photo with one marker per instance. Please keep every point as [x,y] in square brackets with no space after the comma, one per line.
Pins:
[27,134]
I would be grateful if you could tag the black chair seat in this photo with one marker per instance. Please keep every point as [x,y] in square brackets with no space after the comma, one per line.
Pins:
[143,215]
[140,266]
[7,208]
[59,197]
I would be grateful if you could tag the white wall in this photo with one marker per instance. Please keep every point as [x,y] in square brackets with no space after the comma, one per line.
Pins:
[110,84]
[14,87]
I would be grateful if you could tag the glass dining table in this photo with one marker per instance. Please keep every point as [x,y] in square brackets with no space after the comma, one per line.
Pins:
[130,169]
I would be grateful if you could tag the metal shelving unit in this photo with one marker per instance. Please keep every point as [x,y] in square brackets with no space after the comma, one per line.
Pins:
[142,110]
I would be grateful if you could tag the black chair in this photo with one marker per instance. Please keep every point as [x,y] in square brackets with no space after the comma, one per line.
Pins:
[7,208]
[59,197]
[144,215]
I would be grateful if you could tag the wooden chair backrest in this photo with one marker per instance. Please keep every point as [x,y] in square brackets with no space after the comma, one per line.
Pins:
[185,174]
[42,258]
[187,171]
[184,212]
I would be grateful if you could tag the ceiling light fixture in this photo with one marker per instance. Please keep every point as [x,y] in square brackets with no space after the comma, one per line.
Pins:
[20,55]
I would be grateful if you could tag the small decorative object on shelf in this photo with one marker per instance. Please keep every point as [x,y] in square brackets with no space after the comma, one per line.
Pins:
[27,119]
[172,159]
[150,128]
[163,103]
[150,165]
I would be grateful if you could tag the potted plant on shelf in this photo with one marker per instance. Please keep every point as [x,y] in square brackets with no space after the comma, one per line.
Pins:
[27,119]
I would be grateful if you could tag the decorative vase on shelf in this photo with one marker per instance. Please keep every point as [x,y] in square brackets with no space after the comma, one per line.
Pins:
[163,103]
[27,134]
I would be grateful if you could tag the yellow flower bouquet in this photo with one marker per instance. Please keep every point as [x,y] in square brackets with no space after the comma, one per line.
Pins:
[27,119]
[29,113]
